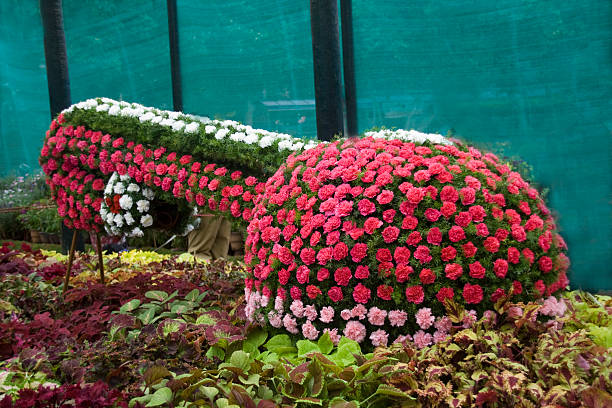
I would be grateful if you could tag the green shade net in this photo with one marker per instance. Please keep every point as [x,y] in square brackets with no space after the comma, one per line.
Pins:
[119,50]
[24,99]
[529,79]
[249,61]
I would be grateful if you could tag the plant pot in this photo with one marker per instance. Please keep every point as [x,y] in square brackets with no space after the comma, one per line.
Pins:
[45,237]
[55,238]
[35,237]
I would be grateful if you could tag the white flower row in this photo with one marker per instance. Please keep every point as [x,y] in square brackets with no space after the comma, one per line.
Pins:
[409,136]
[188,123]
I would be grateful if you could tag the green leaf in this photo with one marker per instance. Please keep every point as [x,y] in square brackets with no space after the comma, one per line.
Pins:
[206,319]
[157,295]
[129,306]
[306,346]
[325,343]
[240,359]
[180,307]
[146,317]
[344,354]
[161,396]
[155,374]
[215,351]
[210,392]
[280,344]
[193,295]
[340,403]
[255,338]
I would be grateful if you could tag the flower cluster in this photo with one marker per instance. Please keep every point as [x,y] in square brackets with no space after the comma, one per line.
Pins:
[369,238]
[78,162]
[125,209]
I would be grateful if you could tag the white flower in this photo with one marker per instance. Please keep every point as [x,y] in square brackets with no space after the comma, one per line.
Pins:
[178,125]
[167,122]
[142,205]
[221,133]
[148,193]
[133,188]
[157,119]
[284,145]
[251,138]
[210,129]
[129,220]
[102,108]
[103,211]
[137,232]
[265,141]
[110,218]
[146,117]
[119,188]
[174,115]
[118,220]
[192,127]
[124,177]
[124,103]
[146,220]
[114,110]
[125,202]
[237,137]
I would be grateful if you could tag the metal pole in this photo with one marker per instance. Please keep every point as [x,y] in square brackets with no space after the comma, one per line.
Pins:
[326,62]
[100,259]
[175,60]
[348,60]
[70,260]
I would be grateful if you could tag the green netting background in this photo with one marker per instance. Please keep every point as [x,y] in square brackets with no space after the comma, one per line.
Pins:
[526,78]
[530,78]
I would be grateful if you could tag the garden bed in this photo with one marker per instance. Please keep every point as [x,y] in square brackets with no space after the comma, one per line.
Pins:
[168,331]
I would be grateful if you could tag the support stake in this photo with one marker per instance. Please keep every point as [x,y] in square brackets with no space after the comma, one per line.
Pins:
[100,259]
[70,259]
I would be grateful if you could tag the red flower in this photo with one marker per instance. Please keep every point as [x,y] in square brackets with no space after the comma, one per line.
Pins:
[427,276]
[325,255]
[371,225]
[361,294]
[340,251]
[302,274]
[335,294]
[498,294]
[308,256]
[401,255]
[342,276]
[545,264]
[500,267]
[388,215]
[453,271]
[463,219]
[322,274]
[432,215]
[468,195]
[434,236]
[383,255]
[456,234]
[402,272]
[312,291]
[528,253]
[385,197]
[448,253]
[362,272]
[448,209]
[295,293]
[415,195]
[469,249]
[283,276]
[491,244]
[390,234]
[513,255]
[415,294]
[517,287]
[384,292]
[477,212]
[449,194]
[445,293]
[410,222]
[518,233]
[422,254]
[472,293]
[414,238]
[540,287]
[477,270]
[358,252]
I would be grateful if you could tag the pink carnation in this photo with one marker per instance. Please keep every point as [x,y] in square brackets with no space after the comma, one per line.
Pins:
[297,308]
[397,318]
[327,314]
[379,338]
[310,312]
[309,331]
[346,314]
[422,339]
[355,331]
[333,334]
[424,318]
[377,316]
[359,312]
[290,324]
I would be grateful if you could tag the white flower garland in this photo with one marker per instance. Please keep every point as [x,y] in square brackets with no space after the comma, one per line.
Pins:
[131,216]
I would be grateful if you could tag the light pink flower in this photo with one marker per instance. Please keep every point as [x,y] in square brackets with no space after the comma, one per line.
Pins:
[443,324]
[359,311]
[345,314]
[275,319]
[310,312]
[333,334]
[290,324]
[377,316]
[439,336]
[469,319]
[424,318]
[379,338]
[422,339]
[309,331]
[278,304]
[402,339]
[327,314]
[553,307]
[297,307]
[397,317]
[355,331]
